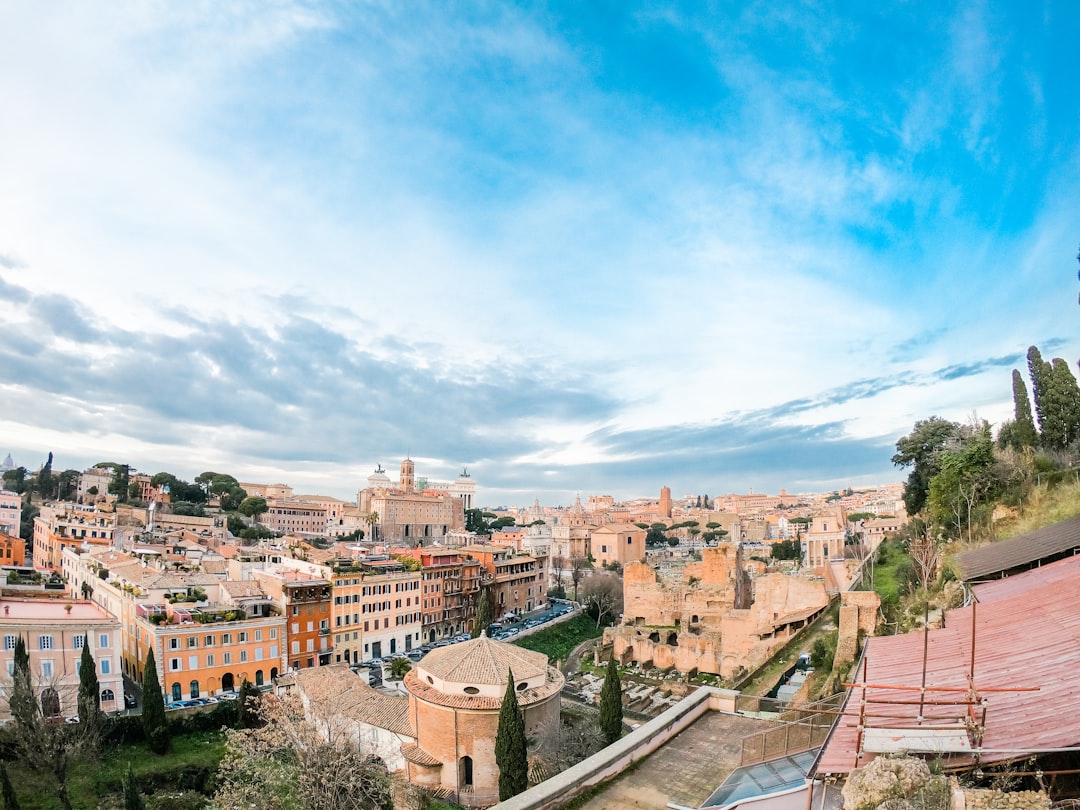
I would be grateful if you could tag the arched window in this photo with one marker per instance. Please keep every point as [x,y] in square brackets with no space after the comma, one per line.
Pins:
[258,677]
[466,772]
[227,682]
[176,693]
[194,688]
[107,696]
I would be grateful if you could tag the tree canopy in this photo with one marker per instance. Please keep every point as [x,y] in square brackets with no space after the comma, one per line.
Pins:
[919,450]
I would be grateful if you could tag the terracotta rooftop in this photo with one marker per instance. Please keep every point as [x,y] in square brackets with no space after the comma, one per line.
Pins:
[1026,670]
[339,690]
[1026,551]
[483,661]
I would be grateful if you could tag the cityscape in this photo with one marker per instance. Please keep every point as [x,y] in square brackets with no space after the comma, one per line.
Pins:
[539,405]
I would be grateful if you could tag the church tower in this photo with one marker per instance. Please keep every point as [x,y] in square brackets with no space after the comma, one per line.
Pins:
[407,479]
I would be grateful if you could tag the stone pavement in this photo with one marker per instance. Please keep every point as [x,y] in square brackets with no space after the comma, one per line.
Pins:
[685,771]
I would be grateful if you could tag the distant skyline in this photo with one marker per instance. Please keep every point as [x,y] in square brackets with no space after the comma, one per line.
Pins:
[595,248]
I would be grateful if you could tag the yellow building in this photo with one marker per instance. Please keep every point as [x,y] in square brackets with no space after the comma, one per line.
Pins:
[618,543]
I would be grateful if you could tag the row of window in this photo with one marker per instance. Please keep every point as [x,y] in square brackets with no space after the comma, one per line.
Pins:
[47,671]
[242,637]
[48,642]
[177,664]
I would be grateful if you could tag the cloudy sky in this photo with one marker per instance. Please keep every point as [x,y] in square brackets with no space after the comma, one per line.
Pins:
[576,247]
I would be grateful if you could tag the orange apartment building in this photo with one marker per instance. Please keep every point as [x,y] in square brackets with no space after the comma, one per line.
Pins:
[304,599]
[208,652]
[66,525]
[517,582]
[12,549]
[450,584]
[207,635]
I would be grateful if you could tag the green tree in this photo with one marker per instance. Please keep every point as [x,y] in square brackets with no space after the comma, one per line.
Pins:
[919,450]
[22,703]
[46,483]
[1061,407]
[965,479]
[66,485]
[399,668]
[252,507]
[133,800]
[121,480]
[1024,433]
[1039,371]
[511,750]
[611,709]
[15,480]
[40,743]
[155,726]
[655,537]
[483,613]
[787,550]
[7,792]
[89,689]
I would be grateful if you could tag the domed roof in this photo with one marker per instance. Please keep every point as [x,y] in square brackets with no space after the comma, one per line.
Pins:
[484,662]
[474,674]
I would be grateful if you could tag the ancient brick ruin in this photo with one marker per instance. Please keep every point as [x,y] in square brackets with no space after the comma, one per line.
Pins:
[711,616]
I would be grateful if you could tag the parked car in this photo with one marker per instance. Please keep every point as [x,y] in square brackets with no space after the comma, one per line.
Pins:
[130,701]
[228,696]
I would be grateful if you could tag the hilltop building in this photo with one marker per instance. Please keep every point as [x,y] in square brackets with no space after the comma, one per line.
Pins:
[415,511]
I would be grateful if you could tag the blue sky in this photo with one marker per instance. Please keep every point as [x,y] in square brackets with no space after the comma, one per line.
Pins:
[577,247]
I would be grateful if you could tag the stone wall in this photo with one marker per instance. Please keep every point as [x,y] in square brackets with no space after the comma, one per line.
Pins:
[858,612]
[712,617]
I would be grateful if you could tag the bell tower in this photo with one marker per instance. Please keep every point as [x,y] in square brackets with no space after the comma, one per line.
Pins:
[407,479]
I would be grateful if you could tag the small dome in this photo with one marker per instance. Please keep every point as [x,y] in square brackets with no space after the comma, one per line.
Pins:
[483,662]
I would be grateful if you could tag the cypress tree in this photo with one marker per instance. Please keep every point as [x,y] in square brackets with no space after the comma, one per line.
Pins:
[132,798]
[7,792]
[24,706]
[1039,370]
[611,715]
[89,691]
[1023,431]
[1061,408]
[153,712]
[511,752]
[483,613]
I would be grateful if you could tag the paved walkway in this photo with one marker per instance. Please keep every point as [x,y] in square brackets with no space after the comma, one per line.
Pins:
[686,771]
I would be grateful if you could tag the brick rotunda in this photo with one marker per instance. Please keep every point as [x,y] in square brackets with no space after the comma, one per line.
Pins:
[455,694]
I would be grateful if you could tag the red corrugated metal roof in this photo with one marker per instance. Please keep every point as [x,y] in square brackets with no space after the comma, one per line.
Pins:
[1027,635]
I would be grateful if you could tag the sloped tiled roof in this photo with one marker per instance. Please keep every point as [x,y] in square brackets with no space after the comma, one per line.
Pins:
[483,661]
[238,589]
[336,689]
[1026,648]
[1027,550]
